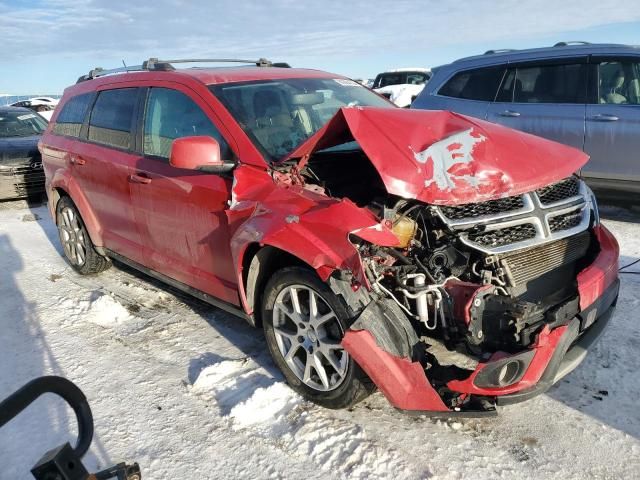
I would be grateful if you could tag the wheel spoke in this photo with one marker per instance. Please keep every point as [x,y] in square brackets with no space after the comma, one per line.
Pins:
[330,356]
[295,301]
[307,370]
[324,319]
[319,368]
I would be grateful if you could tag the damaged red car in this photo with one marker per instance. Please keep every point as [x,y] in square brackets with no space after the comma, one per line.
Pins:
[454,264]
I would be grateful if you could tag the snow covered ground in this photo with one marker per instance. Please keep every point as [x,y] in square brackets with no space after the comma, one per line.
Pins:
[190,392]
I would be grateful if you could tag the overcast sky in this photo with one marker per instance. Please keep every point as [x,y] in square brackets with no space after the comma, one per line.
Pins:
[46,45]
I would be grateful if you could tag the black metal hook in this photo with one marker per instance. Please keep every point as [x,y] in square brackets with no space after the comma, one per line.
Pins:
[18,401]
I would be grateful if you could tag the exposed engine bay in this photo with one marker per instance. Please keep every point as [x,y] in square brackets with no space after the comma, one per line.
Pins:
[473,279]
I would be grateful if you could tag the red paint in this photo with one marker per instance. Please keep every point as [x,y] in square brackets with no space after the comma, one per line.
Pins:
[193,152]
[402,381]
[544,349]
[597,277]
[463,295]
[503,163]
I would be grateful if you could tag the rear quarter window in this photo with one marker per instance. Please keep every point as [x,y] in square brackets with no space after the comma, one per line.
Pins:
[112,117]
[72,115]
[478,84]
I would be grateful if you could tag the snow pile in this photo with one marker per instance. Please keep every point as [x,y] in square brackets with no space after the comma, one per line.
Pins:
[255,402]
[103,310]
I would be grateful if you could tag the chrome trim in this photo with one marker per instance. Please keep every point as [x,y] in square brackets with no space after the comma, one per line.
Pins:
[535,213]
[528,207]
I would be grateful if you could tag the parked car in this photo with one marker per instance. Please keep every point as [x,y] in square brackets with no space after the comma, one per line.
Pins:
[43,105]
[21,173]
[454,267]
[584,95]
[403,85]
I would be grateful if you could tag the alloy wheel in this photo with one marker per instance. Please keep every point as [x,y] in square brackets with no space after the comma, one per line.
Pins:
[72,236]
[308,336]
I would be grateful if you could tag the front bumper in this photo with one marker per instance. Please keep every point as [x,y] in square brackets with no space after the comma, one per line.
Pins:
[555,353]
[21,181]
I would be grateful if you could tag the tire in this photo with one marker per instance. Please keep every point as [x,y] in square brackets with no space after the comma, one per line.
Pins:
[301,353]
[78,249]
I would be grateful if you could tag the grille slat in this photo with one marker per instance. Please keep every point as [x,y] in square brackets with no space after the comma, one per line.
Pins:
[491,207]
[557,192]
[504,236]
[565,221]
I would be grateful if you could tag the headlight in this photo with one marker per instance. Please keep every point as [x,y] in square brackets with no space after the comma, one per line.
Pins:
[593,205]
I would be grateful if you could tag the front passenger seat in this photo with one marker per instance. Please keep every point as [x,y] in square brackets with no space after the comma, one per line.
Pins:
[613,97]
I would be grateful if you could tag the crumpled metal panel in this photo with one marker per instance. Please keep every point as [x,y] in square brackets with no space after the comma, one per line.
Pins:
[311,226]
[444,158]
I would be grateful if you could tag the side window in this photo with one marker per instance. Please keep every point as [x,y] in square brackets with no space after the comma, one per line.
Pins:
[112,117]
[548,84]
[71,117]
[171,114]
[479,84]
[619,82]
[417,78]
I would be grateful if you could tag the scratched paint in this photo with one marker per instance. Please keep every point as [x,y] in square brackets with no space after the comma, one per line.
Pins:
[445,154]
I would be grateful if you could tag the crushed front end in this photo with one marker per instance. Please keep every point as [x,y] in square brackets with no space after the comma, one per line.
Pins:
[483,303]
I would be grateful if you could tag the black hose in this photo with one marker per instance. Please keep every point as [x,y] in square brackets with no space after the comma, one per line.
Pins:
[18,401]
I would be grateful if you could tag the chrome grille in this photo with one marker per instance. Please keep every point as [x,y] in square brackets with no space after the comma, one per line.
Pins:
[565,221]
[18,181]
[504,236]
[504,225]
[560,191]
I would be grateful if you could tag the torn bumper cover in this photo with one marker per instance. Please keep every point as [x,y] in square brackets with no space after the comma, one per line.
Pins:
[504,378]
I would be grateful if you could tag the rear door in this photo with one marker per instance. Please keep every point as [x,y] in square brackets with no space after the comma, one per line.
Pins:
[181,213]
[102,166]
[613,124]
[469,92]
[545,98]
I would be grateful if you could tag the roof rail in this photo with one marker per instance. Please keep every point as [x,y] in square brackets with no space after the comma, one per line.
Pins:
[571,42]
[154,64]
[499,50]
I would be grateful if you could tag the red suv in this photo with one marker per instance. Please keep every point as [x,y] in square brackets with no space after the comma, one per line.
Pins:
[452,263]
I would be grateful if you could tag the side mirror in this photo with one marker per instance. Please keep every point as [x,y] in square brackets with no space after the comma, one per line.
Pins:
[198,153]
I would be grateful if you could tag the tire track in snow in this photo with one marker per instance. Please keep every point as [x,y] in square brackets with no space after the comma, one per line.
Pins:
[255,401]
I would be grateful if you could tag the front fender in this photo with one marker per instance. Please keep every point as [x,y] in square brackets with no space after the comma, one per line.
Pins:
[308,225]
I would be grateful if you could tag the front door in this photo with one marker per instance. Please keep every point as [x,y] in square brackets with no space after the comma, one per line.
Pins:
[181,213]
[613,126]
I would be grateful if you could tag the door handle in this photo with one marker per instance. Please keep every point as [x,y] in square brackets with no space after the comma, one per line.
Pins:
[139,179]
[604,117]
[75,160]
[509,113]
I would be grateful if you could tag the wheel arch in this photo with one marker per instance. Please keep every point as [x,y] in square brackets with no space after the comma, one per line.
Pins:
[67,187]
[259,263]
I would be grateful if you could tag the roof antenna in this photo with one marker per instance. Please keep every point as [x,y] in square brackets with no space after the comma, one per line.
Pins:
[125,65]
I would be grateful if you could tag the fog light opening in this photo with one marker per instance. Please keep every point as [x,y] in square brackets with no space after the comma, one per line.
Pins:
[508,373]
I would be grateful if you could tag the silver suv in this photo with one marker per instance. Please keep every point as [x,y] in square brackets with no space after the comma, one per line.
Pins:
[584,95]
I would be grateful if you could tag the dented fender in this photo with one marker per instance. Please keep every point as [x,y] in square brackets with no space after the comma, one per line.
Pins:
[302,222]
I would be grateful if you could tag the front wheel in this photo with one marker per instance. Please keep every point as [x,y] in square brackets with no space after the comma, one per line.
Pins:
[304,322]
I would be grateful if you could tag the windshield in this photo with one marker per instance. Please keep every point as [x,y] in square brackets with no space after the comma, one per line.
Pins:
[21,124]
[278,115]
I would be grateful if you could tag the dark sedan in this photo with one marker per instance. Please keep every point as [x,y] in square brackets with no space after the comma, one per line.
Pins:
[21,174]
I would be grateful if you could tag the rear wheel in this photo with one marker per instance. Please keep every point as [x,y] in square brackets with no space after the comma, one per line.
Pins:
[78,248]
[304,322]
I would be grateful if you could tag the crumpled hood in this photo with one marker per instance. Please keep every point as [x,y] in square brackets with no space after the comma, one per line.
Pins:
[15,150]
[444,158]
